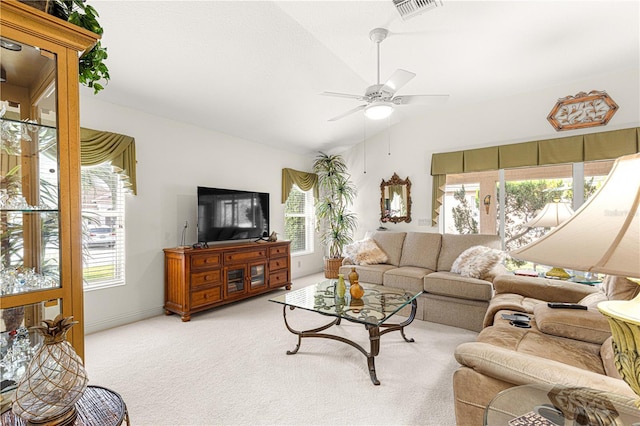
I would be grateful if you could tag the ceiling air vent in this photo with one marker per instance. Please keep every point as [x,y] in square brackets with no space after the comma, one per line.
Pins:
[410,8]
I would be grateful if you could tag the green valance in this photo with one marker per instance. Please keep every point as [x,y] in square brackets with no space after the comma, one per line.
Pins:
[573,149]
[607,145]
[446,162]
[518,155]
[304,180]
[97,147]
[560,150]
[477,160]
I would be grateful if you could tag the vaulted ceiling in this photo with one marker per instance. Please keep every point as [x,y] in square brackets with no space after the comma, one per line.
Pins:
[255,69]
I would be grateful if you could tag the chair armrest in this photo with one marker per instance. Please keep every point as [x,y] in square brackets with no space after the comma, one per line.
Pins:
[542,288]
[588,325]
[521,369]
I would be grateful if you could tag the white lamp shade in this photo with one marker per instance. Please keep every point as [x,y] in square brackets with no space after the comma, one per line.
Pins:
[604,234]
[552,215]
[378,110]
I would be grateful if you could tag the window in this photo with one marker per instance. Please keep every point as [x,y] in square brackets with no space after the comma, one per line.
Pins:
[298,220]
[526,192]
[102,227]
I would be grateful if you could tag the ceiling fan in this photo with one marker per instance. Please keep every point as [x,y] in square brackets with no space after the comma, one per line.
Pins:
[381,98]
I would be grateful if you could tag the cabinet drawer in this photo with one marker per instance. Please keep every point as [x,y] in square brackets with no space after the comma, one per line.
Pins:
[275,264]
[241,256]
[206,297]
[205,260]
[278,251]
[206,278]
[278,278]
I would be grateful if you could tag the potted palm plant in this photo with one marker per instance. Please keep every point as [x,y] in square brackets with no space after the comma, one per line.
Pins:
[334,221]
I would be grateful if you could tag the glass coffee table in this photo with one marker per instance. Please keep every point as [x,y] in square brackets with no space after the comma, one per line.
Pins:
[378,304]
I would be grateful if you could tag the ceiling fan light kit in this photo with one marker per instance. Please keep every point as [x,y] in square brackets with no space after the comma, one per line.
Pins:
[378,110]
[410,8]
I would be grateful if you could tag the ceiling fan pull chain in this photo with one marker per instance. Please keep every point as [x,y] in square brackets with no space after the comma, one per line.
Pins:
[364,146]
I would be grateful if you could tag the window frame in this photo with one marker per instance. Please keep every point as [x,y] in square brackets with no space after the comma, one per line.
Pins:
[116,219]
[309,215]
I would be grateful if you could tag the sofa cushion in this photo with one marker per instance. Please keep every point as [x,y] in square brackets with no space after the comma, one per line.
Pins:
[612,288]
[408,278]
[589,326]
[421,249]
[365,252]
[371,274]
[619,288]
[530,341]
[453,245]
[477,261]
[454,285]
[390,243]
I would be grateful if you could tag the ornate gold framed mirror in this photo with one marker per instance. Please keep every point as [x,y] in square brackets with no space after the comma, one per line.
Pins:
[395,200]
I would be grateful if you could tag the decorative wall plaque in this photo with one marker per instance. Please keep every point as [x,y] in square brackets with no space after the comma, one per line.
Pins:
[582,110]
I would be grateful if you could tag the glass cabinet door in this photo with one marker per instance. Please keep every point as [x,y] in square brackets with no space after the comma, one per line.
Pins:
[30,263]
[258,276]
[235,277]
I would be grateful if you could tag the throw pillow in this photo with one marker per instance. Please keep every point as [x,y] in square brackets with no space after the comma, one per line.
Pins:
[477,261]
[365,252]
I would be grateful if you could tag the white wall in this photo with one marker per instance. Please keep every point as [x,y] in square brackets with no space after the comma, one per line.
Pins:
[173,158]
[516,119]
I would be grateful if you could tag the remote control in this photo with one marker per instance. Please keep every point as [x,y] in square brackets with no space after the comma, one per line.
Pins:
[566,306]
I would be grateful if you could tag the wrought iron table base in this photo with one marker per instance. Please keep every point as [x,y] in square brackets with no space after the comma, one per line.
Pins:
[374,336]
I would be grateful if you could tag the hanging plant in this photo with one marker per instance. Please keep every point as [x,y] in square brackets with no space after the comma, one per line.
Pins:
[92,69]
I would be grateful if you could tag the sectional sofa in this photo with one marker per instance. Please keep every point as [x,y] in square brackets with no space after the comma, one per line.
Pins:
[423,261]
[566,347]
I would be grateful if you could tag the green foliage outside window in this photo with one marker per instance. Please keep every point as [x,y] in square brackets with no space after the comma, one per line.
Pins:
[463,219]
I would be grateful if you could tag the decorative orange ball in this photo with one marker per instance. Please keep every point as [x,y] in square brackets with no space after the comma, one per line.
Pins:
[356,291]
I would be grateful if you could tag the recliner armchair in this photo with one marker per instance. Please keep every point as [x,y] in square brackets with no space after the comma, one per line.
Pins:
[563,346]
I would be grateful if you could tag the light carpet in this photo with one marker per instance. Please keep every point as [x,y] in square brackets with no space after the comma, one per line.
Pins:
[228,366]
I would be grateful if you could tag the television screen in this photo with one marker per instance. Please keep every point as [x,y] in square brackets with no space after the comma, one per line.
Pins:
[225,214]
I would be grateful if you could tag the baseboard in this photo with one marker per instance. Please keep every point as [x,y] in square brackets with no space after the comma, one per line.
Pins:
[117,321]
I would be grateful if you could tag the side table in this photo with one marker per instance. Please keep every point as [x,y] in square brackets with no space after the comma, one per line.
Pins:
[98,407]
[549,405]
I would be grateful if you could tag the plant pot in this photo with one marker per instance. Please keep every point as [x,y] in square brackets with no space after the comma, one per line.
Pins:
[332,266]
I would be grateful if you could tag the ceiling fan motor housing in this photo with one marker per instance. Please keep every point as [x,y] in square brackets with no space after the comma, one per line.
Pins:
[376,92]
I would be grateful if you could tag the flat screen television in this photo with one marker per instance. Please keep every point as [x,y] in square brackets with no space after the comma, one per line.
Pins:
[225,214]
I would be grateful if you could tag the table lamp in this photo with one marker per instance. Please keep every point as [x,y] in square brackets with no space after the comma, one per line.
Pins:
[552,215]
[604,236]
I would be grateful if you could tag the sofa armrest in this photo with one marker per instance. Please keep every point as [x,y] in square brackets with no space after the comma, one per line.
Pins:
[521,369]
[586,325]
[542,288]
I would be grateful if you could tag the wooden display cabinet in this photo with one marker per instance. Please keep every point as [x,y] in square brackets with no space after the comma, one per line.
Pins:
[203,278]
[40,210]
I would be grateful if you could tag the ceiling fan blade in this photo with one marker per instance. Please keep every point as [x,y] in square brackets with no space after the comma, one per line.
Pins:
[351,111]
[420,99]
[343,95]
[398,79]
